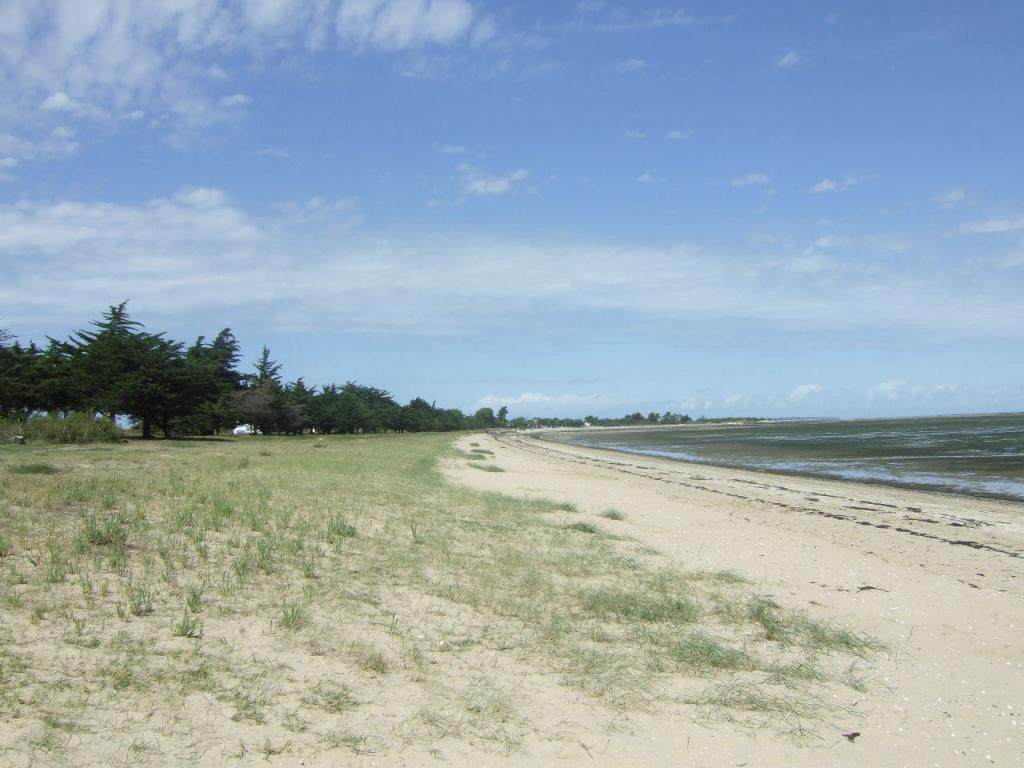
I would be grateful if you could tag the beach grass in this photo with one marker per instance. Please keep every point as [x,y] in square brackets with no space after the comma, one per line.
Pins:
[289,580]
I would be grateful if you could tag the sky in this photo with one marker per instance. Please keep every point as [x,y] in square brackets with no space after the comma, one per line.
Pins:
[569,208]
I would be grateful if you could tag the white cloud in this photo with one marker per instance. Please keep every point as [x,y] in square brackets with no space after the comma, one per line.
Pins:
[804,391]
[1015,259]
[832,241]
[476,182]
[135,114]
[636,135]
[400,24]
[993,226]
[93,58]
[832,185]
[903,391]
[750,180]
[678,135]
[541,401]
[630,66]
[61,102]
[451,149]
[308,265]
[645,178]
[235,100]
[607,18]
[951,198]
[789,60]
[59,143]
[483,32]
[202,197]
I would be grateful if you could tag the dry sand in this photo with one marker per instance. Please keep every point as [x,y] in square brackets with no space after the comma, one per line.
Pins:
[939,579]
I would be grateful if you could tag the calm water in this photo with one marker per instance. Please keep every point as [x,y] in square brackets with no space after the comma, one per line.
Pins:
[977,455]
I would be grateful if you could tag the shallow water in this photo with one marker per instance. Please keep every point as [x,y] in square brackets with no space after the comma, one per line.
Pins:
[976,455]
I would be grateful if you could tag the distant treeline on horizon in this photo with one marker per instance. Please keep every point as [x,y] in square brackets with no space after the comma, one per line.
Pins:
[119,369]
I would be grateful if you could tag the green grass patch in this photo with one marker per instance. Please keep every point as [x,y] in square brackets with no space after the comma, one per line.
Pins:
[640,604]
[583,527]
[703,653]
[37,468]
[362,564]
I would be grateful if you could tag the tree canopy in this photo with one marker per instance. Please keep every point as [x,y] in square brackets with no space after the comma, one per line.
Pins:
[117,368]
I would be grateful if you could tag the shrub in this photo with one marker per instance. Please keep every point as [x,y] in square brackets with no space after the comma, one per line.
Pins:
[73,428]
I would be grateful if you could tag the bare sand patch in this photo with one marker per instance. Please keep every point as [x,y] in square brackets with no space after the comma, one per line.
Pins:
[938,579]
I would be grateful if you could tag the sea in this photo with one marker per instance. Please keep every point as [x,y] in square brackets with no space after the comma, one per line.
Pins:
[973,455]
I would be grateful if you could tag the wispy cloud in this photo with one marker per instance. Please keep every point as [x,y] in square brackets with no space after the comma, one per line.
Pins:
[789,60]
[630,66]
[87,60]
[477,182]
[993,226]
[450,149]
[60,142]
[903,391]
[751,180]
[275,152]
[832,241]
[61,102]
[839,185]
[636,135]
[310,265]
[400,24]
[804,391]
[236,100]
[619,17]
[542,401]
[645,178]
[950,198]
[678,135]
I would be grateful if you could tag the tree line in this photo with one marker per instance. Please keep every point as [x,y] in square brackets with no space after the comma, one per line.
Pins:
[119,369]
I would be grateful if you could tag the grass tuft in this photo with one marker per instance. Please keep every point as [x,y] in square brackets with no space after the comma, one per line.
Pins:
[38,468]
[189,626]
[486,467]
[645,606]
[702,653]
[613,514]
[292,617]
[331,698]
[110,530]
[766,613]
[583,527]
[140,599]
[339,528]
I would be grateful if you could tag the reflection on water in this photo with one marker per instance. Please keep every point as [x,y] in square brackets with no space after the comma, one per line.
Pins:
[977,455]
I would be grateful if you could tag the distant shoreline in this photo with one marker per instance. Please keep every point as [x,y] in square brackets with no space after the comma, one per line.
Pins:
[564,436]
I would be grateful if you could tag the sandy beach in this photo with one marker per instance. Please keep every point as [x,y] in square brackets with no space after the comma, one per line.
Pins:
[938,579]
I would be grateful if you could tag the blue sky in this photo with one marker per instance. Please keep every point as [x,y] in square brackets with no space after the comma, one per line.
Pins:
[792,208]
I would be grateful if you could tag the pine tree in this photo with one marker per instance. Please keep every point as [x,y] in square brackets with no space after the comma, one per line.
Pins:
[127,371]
